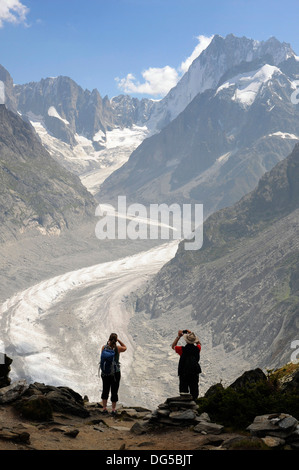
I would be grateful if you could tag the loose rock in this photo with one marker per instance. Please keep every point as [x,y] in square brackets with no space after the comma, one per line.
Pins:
[280,425]
[13,392]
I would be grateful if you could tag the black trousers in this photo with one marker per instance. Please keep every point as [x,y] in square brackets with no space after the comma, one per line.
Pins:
[189,384]
[110,384]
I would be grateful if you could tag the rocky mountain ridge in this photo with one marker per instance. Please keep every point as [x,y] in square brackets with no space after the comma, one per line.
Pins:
[242,283]
[224,57]
[36,192]
[225,139]
[68,111]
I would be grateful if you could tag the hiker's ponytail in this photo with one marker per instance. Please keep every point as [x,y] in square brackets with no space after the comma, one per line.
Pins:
[113,340]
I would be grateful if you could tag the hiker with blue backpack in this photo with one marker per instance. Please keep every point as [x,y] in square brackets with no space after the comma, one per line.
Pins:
[110,371]
[189,367]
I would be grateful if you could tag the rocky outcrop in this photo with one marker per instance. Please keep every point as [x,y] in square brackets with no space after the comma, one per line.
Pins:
[5,363]
[270,431]
[277,429]
[63,412]
[249,378]
[176,411]
[13,391]
[40,400]
[216,148]
[66,109]
[179,412]
[242,285]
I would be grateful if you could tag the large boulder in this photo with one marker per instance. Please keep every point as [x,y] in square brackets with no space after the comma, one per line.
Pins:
[279,425]
[36,407]
[61,399]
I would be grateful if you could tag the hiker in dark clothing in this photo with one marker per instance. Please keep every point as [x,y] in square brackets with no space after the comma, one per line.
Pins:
[189,368]
[111,381]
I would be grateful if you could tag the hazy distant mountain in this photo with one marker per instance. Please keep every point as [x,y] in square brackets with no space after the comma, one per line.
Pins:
[67,110]
[81,130]
[129,110]
[243,283]
[239,126]
[36,193]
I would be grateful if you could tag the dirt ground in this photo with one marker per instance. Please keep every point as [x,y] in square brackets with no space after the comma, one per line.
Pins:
[97,432]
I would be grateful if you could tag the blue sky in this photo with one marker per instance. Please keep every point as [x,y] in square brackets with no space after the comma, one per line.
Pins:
[139,47]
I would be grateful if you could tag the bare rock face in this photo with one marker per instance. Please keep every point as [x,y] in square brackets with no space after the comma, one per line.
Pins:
[248,378]
[5,363]
[66,109]
[212,147]
[243,283]
[36,192]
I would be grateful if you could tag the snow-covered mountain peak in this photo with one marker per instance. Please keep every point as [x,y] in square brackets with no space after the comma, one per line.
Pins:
[247,85]
[223,54]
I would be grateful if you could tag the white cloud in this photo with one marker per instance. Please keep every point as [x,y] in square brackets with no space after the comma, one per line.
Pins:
[158,81]
[203,43]
[12,11]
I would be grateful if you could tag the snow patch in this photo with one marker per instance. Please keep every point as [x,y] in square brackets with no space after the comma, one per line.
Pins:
[99,137]
[284,135]
[223,158]
[126,137]
[247,85]
[53,113]
[2,92]
[93,166]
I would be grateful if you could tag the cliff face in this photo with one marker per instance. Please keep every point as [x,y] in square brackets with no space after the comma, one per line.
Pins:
[243,282]
[36,193]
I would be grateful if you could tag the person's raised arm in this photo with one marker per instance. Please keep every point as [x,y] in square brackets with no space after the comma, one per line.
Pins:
[180,334]
[122,347]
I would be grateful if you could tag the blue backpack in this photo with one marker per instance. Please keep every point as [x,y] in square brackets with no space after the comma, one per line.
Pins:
[108,364]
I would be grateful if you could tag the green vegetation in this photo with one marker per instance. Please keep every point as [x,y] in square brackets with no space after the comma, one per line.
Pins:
[249,444]
[236,407]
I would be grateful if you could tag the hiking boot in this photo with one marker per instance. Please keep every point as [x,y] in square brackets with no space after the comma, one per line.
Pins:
[113,413]
[104,412]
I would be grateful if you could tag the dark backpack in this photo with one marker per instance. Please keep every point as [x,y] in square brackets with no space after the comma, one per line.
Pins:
[189,360]
[108,362]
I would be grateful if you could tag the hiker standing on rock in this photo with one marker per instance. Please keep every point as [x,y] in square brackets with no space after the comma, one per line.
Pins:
[189,367]
[110,371]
